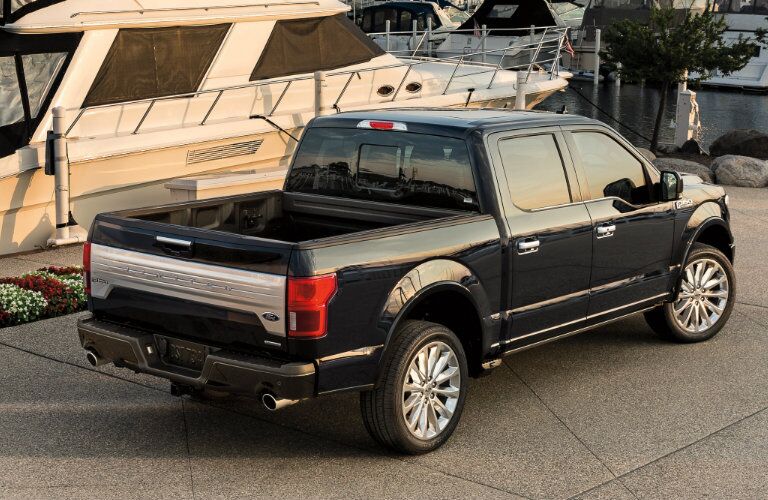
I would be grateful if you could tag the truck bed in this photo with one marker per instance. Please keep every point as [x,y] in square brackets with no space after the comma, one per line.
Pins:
[199,269]
[285,217]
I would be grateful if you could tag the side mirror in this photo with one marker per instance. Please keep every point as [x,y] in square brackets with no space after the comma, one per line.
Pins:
[671,186]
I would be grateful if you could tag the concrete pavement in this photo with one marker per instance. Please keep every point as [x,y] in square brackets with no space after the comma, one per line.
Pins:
[19,264]
[612,413]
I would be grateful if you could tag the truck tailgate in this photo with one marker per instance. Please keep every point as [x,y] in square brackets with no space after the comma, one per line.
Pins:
[220,289]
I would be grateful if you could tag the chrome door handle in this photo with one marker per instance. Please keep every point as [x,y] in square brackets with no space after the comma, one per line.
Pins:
[529,245]
[606,231]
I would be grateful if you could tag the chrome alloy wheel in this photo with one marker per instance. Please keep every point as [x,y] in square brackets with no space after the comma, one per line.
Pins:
[703,296]
[431,390]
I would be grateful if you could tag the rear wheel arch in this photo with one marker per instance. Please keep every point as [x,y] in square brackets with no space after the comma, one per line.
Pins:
[444,292]
[452,307]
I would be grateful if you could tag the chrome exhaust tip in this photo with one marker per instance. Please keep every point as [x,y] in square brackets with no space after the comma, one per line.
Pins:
[93,358]
[272,403]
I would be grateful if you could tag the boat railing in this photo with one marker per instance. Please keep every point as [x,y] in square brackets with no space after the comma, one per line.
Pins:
[547,41]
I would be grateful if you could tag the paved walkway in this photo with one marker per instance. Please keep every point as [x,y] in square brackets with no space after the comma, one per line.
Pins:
[71,255]
[613,413]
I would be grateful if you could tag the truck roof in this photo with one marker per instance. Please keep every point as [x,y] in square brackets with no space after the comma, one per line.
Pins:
[455,121]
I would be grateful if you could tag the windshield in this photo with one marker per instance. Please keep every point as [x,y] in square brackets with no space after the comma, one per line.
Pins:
[31,67]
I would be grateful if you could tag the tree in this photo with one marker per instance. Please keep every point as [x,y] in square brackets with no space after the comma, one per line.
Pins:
[671,42]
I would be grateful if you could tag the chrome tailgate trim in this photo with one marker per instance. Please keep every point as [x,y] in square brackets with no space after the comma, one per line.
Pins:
[245,291]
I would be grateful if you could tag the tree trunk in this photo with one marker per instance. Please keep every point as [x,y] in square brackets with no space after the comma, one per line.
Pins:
[659,115]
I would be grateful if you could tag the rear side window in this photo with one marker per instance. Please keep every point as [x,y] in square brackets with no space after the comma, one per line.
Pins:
[611,170]
[396,167]
[535,171]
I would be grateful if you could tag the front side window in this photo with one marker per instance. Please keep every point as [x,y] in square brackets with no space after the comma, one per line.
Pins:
[535,171]
[318,44]
[144,63]
[611,170]
[395,167]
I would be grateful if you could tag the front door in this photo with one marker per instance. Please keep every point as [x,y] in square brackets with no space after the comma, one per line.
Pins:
[632,232]
[550,244]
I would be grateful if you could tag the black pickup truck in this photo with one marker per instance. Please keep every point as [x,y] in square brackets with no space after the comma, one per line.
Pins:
[409,251]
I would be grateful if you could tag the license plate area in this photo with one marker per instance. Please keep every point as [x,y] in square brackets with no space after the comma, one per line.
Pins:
[182,353]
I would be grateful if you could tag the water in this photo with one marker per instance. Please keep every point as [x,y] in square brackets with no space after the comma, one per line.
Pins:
[636,105]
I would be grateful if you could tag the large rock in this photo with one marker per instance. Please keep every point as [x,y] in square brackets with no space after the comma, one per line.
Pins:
[734,170]
[692,147]
[685,167]
[647,153]
[742,142]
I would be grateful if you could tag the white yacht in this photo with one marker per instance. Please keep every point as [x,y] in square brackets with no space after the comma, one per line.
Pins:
[508,33]
[743,18]
[154,90]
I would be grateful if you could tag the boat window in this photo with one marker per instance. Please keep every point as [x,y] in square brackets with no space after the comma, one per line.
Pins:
[502,11]
[511,14]
[761,6]
[404,168]
[11,109]
[406,20]
[40,71]
[384,15]
[145,63]
[421,21]
[31,69]
[308,45]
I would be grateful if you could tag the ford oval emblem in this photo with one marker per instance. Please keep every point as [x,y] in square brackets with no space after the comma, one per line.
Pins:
[270,316]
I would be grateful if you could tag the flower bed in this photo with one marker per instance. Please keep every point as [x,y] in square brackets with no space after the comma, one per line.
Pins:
[45,293]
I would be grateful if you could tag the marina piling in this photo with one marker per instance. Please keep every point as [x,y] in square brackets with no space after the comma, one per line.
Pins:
[66,233]
[520,92]
[596,76]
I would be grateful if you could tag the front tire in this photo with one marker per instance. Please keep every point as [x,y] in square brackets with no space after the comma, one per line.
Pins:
[420,396]
[704,301]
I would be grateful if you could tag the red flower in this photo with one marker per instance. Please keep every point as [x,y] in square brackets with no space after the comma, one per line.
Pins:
[62,271]
[61,299]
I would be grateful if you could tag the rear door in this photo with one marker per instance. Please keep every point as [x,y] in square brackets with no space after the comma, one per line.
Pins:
[632,233]
[550,246]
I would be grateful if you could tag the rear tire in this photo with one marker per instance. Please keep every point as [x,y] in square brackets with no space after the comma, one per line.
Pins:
[420,396]
[704,301]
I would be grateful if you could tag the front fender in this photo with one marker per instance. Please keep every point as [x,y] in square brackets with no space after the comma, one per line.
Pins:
[431,277]
[704,217]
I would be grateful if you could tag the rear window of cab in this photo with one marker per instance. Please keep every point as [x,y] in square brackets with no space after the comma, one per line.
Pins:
[389,166]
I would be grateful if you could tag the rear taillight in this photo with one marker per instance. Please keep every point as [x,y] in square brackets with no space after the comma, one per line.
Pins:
[87,266]
[308,305]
